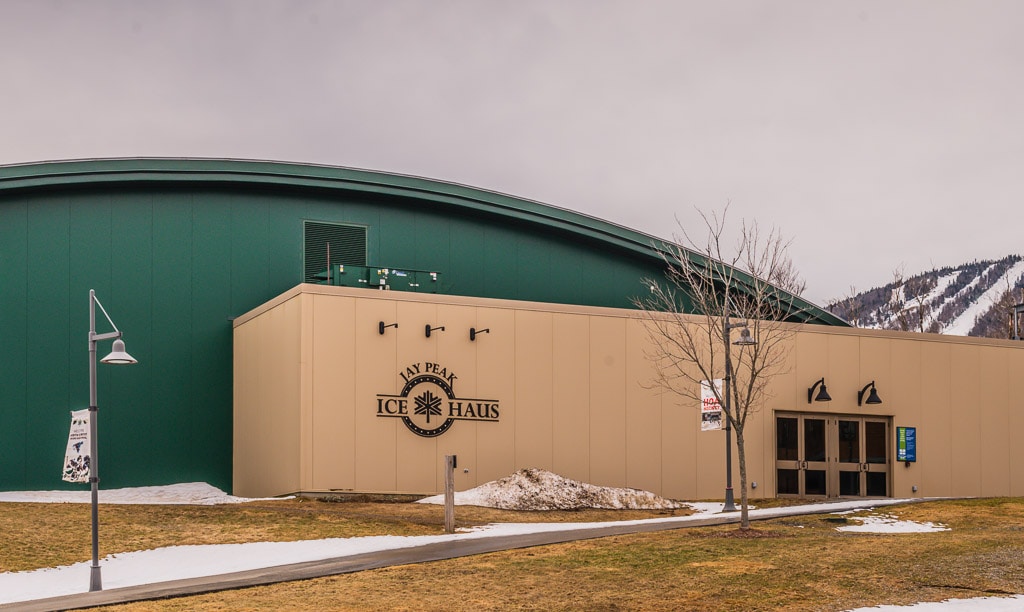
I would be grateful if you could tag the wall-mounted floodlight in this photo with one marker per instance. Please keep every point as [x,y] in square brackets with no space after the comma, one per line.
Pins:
[872,397]
[822,396]
[428,329]
[474,331]
[381,327]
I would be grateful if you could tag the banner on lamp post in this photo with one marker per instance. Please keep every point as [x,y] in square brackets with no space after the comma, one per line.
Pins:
[76,459]
[710,408]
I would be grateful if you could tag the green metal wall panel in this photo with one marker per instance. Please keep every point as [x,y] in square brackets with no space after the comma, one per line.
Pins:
[210,417]
[48,367]
[170,369]
[14,333]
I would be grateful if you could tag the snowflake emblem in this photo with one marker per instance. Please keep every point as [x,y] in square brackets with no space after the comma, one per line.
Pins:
[428,404]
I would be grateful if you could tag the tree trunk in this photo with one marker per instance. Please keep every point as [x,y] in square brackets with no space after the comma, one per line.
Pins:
[741,451]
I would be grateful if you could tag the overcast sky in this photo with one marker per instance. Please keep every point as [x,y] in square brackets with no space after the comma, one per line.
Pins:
[874,134]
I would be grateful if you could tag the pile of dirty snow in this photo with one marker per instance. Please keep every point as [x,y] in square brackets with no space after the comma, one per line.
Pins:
[536,489]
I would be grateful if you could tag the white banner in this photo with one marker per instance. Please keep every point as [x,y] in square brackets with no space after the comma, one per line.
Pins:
[76,458]
[710,409]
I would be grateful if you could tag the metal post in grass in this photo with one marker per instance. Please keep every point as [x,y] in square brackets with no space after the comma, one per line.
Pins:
[450,462]
[120,357]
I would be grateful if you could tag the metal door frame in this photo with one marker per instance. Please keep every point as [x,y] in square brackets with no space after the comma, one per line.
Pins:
[832,465]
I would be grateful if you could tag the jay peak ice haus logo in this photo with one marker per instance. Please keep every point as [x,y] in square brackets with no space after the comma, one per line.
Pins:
[428,405]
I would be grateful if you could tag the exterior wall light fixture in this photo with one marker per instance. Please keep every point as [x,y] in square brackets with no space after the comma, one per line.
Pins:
[872,397]
[822,396]
[381,327]
[474,331]
[429,329]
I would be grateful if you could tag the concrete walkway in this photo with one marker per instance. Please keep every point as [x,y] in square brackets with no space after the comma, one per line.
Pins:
[386,558]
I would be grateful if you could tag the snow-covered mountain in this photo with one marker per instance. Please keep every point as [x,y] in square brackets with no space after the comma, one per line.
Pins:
[973,299]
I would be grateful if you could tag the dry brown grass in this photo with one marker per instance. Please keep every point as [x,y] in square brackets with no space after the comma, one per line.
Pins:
[805,564]
[47,535]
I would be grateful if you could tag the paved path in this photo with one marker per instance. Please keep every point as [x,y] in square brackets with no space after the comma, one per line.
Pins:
[384,558]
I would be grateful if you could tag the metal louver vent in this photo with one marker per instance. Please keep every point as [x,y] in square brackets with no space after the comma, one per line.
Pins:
[347,246]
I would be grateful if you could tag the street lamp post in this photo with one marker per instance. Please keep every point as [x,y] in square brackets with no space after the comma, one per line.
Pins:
[745,340]
[120,357]
[1017,311]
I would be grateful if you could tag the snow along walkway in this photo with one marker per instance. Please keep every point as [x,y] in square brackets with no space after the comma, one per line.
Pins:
[132,575]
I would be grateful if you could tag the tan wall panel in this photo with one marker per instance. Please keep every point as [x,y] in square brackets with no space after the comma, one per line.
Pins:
[679,448]
[1015,364]
[459,355]
[334,364]
[811,364]
[534,361]
[710,461]
[306,392]
[245,388]
[935,436]
[903,402]
[269,452]
[608,401]
[756,448]
[417,455]
[875,365]
[496,379]
[965,395]
[571,396]
[994,422]
[376,371]
[643,417]
[843,378]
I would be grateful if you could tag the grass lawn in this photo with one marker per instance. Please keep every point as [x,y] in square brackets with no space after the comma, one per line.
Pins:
[795,563]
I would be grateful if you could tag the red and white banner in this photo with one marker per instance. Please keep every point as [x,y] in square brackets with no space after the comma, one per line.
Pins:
[710,409]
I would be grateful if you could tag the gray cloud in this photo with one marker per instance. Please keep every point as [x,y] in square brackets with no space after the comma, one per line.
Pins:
[874,133]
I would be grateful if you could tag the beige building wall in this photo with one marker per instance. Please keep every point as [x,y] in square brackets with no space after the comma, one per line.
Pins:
[575,393]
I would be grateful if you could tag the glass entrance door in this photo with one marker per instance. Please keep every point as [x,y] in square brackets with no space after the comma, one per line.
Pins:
[832,456]
[801,455]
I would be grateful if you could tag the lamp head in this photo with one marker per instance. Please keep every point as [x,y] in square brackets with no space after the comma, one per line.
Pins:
[118,356]
[745,338]
[822,396]
[872,397]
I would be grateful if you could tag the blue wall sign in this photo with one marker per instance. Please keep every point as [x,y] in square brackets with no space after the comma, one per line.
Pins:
[906,444]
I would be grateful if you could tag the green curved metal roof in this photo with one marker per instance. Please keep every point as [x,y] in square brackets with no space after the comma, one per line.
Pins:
[287,175]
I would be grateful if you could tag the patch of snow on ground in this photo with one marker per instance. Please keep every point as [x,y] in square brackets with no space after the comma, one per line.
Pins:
[708,507]
[887,523]
[178,562]
[989,604]
[196,493]
[536,489]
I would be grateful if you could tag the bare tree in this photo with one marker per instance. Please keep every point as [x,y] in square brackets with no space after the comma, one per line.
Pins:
[908,307]
[727,288]
[850,307]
